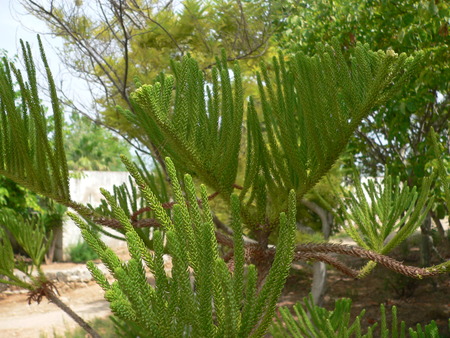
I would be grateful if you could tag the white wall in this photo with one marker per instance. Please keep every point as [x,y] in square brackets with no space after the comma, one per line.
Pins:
[86,189]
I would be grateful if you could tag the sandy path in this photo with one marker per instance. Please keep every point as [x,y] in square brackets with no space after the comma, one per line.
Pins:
[18,319]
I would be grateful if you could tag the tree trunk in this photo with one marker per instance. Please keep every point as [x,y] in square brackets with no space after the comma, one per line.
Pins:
[426,242]
[438,224]
[55,252]
[319,282]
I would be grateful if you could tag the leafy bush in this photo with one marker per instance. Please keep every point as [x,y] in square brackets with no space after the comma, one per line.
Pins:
[81,253]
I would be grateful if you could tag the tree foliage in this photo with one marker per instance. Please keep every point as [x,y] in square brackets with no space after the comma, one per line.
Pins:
[395,136]
[310,108]
[301,138]
[172,308]
[115,44]
[28,157]
[92,147]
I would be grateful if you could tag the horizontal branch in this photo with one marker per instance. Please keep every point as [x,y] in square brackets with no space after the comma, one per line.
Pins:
[327,259]
[388,262]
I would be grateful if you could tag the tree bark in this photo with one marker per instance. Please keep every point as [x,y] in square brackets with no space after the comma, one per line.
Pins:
[438,224]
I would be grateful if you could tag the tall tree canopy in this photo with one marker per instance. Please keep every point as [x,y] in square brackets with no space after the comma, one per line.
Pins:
[404,26]
[114,44]
[395,135]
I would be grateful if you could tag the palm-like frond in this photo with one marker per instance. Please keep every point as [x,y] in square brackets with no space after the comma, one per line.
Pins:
[199,126]
[30,153]
[311,106]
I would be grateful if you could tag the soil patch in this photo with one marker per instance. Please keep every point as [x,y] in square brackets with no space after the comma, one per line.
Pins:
[18,319]
[417,301]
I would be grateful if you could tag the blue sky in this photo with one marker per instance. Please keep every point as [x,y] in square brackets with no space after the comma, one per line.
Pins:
[16,24]
[10,29]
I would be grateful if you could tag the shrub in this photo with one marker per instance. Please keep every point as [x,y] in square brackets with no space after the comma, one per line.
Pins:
[81,253]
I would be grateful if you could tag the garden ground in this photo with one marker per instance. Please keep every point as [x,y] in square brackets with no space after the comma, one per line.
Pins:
[417,301]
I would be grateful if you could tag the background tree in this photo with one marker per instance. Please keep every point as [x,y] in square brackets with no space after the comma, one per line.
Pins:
[114,43]
[395,137]
[92,147]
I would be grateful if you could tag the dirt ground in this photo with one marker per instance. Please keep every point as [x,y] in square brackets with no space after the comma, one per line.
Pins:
[18,319]
[417,301]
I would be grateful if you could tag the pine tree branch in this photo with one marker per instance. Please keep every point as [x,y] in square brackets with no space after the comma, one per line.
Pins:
[262,257]
[329,260]
[390,263]
[169,205]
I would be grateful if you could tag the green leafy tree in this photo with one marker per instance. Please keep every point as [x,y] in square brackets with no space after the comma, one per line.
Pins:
[395,137]
[92,147]
[310,106]
[115,45]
